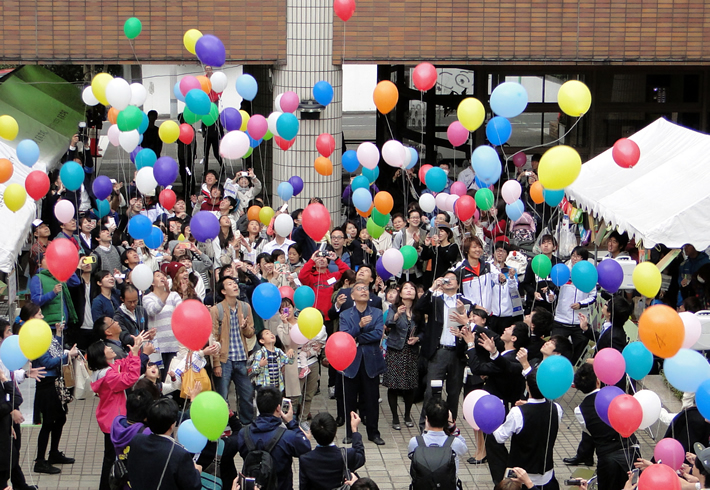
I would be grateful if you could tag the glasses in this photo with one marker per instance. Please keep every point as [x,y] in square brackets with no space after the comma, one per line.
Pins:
[337,237]
[360,288]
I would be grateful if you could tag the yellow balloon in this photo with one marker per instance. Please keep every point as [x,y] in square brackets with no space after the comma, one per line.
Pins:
[574,98]
[647,279]
[245,119]
[559,167]
[14,196]
[98,87]
[471,113]
[310,322]
[35,338]
[190,39]
[8,128]
[265,215]
[169,132]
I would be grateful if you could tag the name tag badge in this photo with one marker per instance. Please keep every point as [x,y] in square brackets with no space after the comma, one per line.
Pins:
[331,281]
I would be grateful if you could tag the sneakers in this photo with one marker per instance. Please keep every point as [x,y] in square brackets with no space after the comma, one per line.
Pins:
[305,371]
[59,458]
[43,466]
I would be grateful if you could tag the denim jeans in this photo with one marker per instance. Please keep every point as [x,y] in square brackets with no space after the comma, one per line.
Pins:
[236,371]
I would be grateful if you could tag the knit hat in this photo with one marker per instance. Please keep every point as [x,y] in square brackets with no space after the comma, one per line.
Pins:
[171,269]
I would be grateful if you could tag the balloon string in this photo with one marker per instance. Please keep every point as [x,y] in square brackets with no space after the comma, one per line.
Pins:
[130,41]
[551,142]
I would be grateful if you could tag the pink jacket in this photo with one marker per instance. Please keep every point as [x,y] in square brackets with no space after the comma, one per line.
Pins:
[109,384]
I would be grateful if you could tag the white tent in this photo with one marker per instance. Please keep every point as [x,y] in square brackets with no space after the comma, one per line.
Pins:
[664,199]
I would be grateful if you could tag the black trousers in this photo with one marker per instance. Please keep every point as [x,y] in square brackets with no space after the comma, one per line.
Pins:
[109,458]
[445,365]
[497,455]
[585,450]
[17,477]
[612,468]
[575,334]
[366,391]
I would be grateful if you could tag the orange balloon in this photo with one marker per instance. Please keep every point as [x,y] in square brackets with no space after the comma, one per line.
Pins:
[367,213]
[324,166]
[383,202]
[661,330]
[385,96]
[5,170]
[113,115]
[205,83]
[253,213]
[536,193]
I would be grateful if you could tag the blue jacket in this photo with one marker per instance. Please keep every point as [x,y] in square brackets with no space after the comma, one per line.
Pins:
[41,298]
[52,363]
[367,338]
[102,306]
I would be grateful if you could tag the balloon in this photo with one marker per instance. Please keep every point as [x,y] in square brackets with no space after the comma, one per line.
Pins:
[165,171]
[383,273]
[384,202]
[394,153]
[134,154]
[515,211]
[205,84]
[362,199]
[511,191]
[87,95]
[189,83]
[8,127]
[560,274]
[485,199]
[323,92]
[604,398]
[458,188]
[469,404]
[553,198]
[72,175]
[574,98]
[436,179]
[145,181]
[414,157]
[559,167]
[210,50]
[198,102]
[187,133]
[138,94]
[340,349]
[360,182]
[118,93]
[11,354]
[257,126]
[489,413]
[625,414]
[283,225]
[102,187]
[142,276]
[520,159]
[650,406]
[611,275]
[424,76]
[98,86]
[177,91]
[265,215]
[661,330]
[427,202]
[190,437]
[385,96]
[297,336]
[290,101]
[272,120]
[266,300]
[498,130]
[27,152]
[192,324]
[374,229]
[659,476]
[371,174]
[368,155]
[169,131]
[155,239]
[304,297]
[647,279]
[509,99]
[465,207]
[247,86]
[129,119]
[451,202]
[37,184]
[167,199]
[297,184]
[253,213]
[35,335]
[323,166]
[670,452]
[139,227]
[103,208]
[693,329]
[114,135]
[316,221]
[541,265]
[457,134]
[62,258]
[204,226]
[380,219]
[210,414]
[285,191]
[287,126]
[145,158]
[626,153]
[6,170]
[190,38]
[234,145]
[486,164]
[537,193]
[211,118]
[554,376]
[471,113]
[393,261]
[64,210]
[350,161]
[584,277]
[284,144]
[310,322]
[686,370]
[231,119]
[702,398]
[639,360]
[609,366]
[344,9]
[409,256]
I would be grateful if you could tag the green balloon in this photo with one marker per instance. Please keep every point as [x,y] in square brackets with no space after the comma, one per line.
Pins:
[379,218]
[190,117]
[211,118]
[129,118]
[268,135]
[374,230]
[210,414]
[410,256]
[249,152]
[541,265]
[132,27]
[484,199]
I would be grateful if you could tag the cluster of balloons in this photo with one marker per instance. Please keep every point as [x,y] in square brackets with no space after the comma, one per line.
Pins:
[483,411]
[33,341]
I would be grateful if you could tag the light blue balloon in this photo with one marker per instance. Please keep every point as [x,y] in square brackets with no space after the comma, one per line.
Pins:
[639,360]
[155,239]
[686,370]
[287,126]
[350,161]
[11,354]
[247,86]
[145,158]
[515,211]
[102,208]
[509,99]
[486,164]
[554,376]
[498,130]
[371,174]
[285,191]
[436,179]
[702,398]
[415,157]
[72,175]
[362,199]
[559,274]
[304,297]
[190,437]
[144,124]
[266,300]
[323,92]
[177,93]
[198,102]
[584,276]
[553,198]
[27,152]
[360,182]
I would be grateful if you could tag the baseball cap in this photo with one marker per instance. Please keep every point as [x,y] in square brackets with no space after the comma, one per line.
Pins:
[36,224]
[703,454]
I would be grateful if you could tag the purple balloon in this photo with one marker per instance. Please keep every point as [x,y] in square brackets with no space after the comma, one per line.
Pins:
[102,187]
[489,413]
[133,154]
[603,399]
[381,271]
[210,50]
[204,226]
[165,171]
[611,275]
[231,119]
[297,184]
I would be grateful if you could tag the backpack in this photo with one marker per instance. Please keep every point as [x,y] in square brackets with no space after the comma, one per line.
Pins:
[118,476]
[210,477]
[433,466]
[258,463]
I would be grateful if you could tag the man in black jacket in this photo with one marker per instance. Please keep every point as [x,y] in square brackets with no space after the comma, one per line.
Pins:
[537,287]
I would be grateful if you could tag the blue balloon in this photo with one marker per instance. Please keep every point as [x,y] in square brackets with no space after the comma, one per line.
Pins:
[287,126]
[190,437]
[515,211]
[231,119]
[28,152]
[371,174]
[11,354]
[584,276]
[72,175]
[304,297]
[360,182]
[509,99]
[415,157]
[145,158]
[436,179]
[323,92]
[498,130]
[486,164]
[198,102]
[144,124]
[155,239]
[480,183]
[702,398]
[177,92]
[165,171]
[247,86]
[139,227]
[362,199]
[554,376]
[559,274]
[103,208]
[553,198]
[639,360]
[254,143]
[266,300]
[604,399]
[686,370]
[350,162]
[285,191]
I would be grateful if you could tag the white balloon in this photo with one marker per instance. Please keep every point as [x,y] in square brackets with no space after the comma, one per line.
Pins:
[296,335]
[511,191]
[142,276]
[693,329]
[271,120]
[145,181]
[393,260]
[427,202]
[277,103]
[118,93]
[469,403]
[219,81]
[450,202]
[407,157]
[129,140]
[138,94]
[234,145]
[114,134]
[441,200]
[88,96]
[64,211]
[368,155]
[283,225]
[393,153]
[650,406]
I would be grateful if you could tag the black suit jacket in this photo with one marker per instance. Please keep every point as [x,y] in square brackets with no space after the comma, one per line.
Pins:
[322,468]
[505,379]
[612,337]
[148,456]
[375,302]
[430,336]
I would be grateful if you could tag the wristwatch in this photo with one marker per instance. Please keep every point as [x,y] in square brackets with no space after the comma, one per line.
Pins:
[471,345]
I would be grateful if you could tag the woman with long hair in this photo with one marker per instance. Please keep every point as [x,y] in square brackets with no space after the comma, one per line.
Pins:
[253,243]
[183,285]
[226,243]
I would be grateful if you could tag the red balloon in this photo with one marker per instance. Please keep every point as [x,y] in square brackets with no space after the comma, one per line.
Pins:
[659,476]
[167,199]
[37,184]
[325,144]
[340,349]
[192,324]
[62,258]
[284,144]
[625,414]
[286,292]
[626,153]
[424,76]
[316,221]
[187,133]
[422,172]
[465,207]
[344,9]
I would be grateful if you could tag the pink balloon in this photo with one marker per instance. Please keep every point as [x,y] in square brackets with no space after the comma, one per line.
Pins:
[424,76]
[457,134]
[609,366]
[669,452]
[64,211]
[113,134]
[257,126]
[469,403]
[393,260]
[520,159]
[441,200]
[511,191]
[451,201]
[368,155]
[476,215]
[188,83]
[289,101]
[296,336]
[458,188]
[693,329]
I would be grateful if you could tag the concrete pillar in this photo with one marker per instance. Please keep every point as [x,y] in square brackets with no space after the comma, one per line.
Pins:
[309,50]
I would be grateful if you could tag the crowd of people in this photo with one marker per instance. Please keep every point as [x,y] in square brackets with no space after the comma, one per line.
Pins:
[470,314]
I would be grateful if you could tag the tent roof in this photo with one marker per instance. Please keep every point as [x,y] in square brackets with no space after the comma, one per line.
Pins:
[664,199]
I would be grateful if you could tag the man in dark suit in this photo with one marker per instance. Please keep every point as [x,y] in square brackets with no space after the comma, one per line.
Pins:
[616,312]
[362,378]
[156,459]
[344,301]
[323,468]
[540,322]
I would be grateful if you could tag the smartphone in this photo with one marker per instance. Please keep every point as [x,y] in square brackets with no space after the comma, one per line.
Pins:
[511,474]
[244,174]
[437,386]
[286,311]
[286,405]
[284,208]
[246,482]
[111,222]
[89,259]
[634,476]
[573,483]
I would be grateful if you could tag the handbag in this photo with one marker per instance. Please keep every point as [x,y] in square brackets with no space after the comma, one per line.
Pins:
[346,471]
[68,375]
[190,377]
[63,392]
[82,378]
[210,477]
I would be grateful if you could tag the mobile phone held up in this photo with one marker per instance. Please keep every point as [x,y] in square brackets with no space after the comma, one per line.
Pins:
[576,482]
[285,405]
